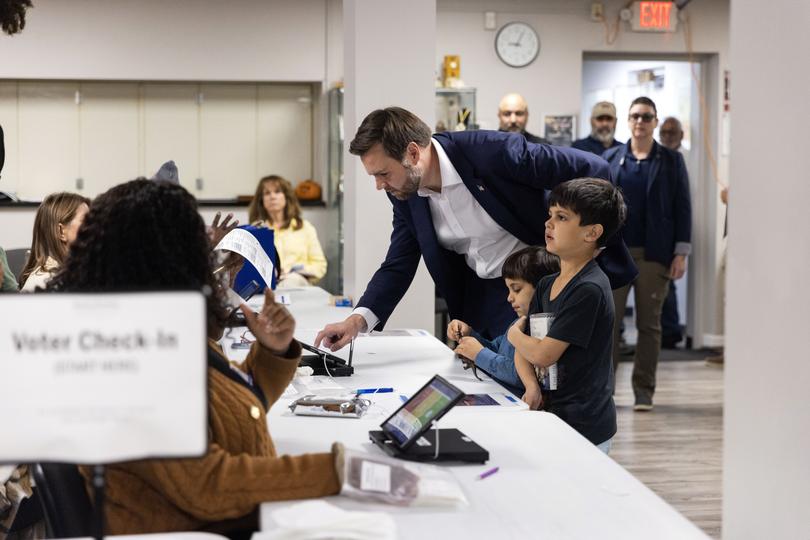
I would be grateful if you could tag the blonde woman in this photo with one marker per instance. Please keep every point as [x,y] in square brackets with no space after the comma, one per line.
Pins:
[55,228]
[275,206]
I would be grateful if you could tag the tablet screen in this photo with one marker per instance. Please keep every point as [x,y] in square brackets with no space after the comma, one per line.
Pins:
[430,403]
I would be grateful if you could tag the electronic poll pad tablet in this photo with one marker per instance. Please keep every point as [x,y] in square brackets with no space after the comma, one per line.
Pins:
[430,403]
[406,434]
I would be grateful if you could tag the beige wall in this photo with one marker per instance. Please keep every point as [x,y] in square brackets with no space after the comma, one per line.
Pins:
[766,474]
[207,40]
[380,72]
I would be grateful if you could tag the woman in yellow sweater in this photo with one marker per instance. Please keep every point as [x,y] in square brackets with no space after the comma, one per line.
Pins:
[220,491]
[275,206]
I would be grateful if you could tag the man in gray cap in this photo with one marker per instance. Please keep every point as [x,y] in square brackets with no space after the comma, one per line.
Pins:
[603,126]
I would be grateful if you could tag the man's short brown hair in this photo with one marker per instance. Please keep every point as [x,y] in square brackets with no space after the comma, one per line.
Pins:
[394,128]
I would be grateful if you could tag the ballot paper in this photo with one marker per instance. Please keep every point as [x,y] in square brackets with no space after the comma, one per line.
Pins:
[539,324]
[245,244]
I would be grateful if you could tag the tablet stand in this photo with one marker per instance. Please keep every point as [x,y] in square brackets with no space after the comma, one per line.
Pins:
[98,502]
[458,447]
[435,438]
[324,363]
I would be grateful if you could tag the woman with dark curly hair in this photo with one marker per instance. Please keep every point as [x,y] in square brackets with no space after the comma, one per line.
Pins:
[145,235]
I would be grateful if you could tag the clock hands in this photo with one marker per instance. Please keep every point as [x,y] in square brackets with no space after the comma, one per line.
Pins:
[519,39]
[517,44]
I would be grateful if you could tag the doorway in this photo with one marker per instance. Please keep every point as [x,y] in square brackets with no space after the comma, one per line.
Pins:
[671,82]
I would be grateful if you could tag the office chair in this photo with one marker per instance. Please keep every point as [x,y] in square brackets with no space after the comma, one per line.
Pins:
[65,503]
[16,260]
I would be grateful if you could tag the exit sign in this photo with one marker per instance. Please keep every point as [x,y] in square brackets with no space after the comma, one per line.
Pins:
[654,17]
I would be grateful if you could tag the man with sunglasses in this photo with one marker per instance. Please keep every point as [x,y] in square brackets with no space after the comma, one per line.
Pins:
[603,127]
[658,232]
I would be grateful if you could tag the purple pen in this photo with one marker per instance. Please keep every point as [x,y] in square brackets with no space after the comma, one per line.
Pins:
[488,473]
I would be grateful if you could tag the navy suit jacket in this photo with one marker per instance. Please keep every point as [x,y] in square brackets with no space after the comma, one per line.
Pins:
[669,208]
[508,176]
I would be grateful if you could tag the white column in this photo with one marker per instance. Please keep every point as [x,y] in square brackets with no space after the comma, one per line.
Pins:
[388,60]
[766,462]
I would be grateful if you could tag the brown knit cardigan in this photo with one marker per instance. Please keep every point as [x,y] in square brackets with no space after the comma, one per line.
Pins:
[240,470]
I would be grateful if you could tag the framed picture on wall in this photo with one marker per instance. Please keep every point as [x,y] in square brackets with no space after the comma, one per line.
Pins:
[561,129]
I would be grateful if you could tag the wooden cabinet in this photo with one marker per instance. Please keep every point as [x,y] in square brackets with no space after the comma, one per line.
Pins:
[89,136]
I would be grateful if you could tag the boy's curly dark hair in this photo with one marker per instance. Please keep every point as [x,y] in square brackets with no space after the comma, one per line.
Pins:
[142,235]
[12,15]
[530,264]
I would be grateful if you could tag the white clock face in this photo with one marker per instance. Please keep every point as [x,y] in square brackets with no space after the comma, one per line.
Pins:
[517,44]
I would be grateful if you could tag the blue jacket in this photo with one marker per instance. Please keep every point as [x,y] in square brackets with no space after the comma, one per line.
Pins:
[508,177]
[497,358]
[669,207]
[592,145]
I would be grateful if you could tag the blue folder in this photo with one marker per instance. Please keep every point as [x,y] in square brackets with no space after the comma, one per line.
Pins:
[248,272]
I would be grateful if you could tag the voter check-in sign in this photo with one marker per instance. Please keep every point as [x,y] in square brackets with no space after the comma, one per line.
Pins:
[101,378]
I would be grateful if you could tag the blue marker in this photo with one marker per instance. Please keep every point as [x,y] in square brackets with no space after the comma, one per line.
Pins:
[373,390]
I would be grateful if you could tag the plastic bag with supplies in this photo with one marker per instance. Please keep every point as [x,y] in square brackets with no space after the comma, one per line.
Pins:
[383,479]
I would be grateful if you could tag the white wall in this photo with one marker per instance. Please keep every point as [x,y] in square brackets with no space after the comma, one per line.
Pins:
[552,84]
[198,40]
[611,80]
[388,58]
[766,473]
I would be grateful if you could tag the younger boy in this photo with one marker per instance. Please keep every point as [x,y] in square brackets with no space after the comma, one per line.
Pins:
[521,271]
[583,215]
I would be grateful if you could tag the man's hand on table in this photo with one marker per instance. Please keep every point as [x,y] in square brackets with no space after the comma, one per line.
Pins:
[337,335]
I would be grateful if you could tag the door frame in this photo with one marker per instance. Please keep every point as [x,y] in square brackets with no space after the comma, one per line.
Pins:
[707,229]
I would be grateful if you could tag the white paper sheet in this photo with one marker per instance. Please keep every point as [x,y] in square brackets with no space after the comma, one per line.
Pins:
[106,369]
[316,520]
[245,244]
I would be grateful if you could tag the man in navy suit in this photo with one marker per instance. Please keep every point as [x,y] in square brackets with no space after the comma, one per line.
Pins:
[464,201]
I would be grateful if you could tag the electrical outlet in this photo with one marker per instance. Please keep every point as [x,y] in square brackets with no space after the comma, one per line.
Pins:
[597,11]
[199,184]
[489,20]
[79,184]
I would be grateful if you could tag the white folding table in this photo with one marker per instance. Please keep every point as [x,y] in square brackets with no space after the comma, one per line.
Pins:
[552,482]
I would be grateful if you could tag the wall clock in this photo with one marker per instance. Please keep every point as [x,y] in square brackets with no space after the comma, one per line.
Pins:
[517,44]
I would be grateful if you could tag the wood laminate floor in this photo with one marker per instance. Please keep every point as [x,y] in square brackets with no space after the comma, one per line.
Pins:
[676,449]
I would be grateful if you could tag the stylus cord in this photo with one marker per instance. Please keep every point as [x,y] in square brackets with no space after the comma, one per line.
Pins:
[323,356]
[436,440]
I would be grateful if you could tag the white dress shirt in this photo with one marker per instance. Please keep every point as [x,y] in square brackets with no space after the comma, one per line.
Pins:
[462,226]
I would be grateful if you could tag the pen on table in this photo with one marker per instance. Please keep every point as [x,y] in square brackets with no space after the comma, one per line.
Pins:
[490,472]
[373,390]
